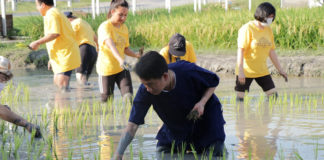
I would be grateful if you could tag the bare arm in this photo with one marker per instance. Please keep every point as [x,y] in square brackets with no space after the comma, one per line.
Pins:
[274,58]
[125,140]
[131,53]
[241,76]
[110,43]
[200,106]
[34,45]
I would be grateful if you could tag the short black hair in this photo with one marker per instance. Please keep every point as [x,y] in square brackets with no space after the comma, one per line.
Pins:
[263,11]
[151,66]
[46,2]
[115,4]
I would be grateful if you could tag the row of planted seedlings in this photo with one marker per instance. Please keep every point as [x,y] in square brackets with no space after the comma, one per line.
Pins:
[16,142]
[61,126]
[259,105]
[288,101]
[74,124]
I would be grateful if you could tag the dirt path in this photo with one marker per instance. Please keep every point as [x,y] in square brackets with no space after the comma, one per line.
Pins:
[309,66]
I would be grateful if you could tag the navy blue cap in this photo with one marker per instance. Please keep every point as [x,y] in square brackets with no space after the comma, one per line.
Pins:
[177,45]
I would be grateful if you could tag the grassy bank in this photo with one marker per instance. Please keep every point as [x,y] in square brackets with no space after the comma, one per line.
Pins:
[213,28]
[26,7]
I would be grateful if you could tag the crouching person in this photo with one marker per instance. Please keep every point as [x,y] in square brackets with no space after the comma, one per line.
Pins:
[182,95]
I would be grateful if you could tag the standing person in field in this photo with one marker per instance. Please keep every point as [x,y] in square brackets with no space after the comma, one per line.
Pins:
[178,49]
[255,45]
[87,41]
[5,112]
[60,42]
[182,94]
[113,43]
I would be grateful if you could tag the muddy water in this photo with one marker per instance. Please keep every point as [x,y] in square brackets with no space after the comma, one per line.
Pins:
[256,129]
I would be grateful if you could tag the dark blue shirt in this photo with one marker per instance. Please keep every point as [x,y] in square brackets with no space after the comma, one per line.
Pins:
[173,107]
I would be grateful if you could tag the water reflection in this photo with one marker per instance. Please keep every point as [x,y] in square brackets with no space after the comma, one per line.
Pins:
[252,130]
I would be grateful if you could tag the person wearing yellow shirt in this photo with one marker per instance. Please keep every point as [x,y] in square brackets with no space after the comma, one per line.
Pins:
[87,41]
[113,43]
[178,49]
[255,44]
[63,50]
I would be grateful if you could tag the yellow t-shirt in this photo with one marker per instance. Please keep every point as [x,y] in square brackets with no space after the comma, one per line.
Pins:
[63,51]
[190,55]
[257,44]
[83,31]
[107,64]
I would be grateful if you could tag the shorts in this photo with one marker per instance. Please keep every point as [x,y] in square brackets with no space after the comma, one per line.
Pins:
[67,73]
[88,59]
[265,82]
[107,84]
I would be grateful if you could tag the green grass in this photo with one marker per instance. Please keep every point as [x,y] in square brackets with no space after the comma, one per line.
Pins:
[26,7]
[213,28]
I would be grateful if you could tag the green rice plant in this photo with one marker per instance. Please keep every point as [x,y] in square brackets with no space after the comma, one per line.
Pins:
[4,140]
[10,148]
[131,152]
[94,156]
[18,142]
[140,155]
[297,156]
[55,118]
[40,150]
[162,155]
[29,150]
[172,148]
[111,147]
[26,93]
[250,154]
[183,150]
[316,150]
[70,156]
[4,154]
[194,152]
[281,154]
[211,151]
[2,127]
[82,156]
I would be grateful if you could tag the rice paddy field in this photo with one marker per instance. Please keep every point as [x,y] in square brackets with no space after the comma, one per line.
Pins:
[75,125]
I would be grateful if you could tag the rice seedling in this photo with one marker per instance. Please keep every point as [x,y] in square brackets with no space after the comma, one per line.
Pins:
[4,140]
[2,127]
[297,156]
[131,151]
[112,147]
[18,142]
[210,153]
[182,150]
[194,152]
[40,150]
[4,155]
[140,155]
[71,155]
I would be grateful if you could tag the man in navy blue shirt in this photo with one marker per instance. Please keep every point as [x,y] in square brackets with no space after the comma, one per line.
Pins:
[175,91]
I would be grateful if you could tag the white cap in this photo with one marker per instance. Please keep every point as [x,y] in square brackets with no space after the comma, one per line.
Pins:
[5,65]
